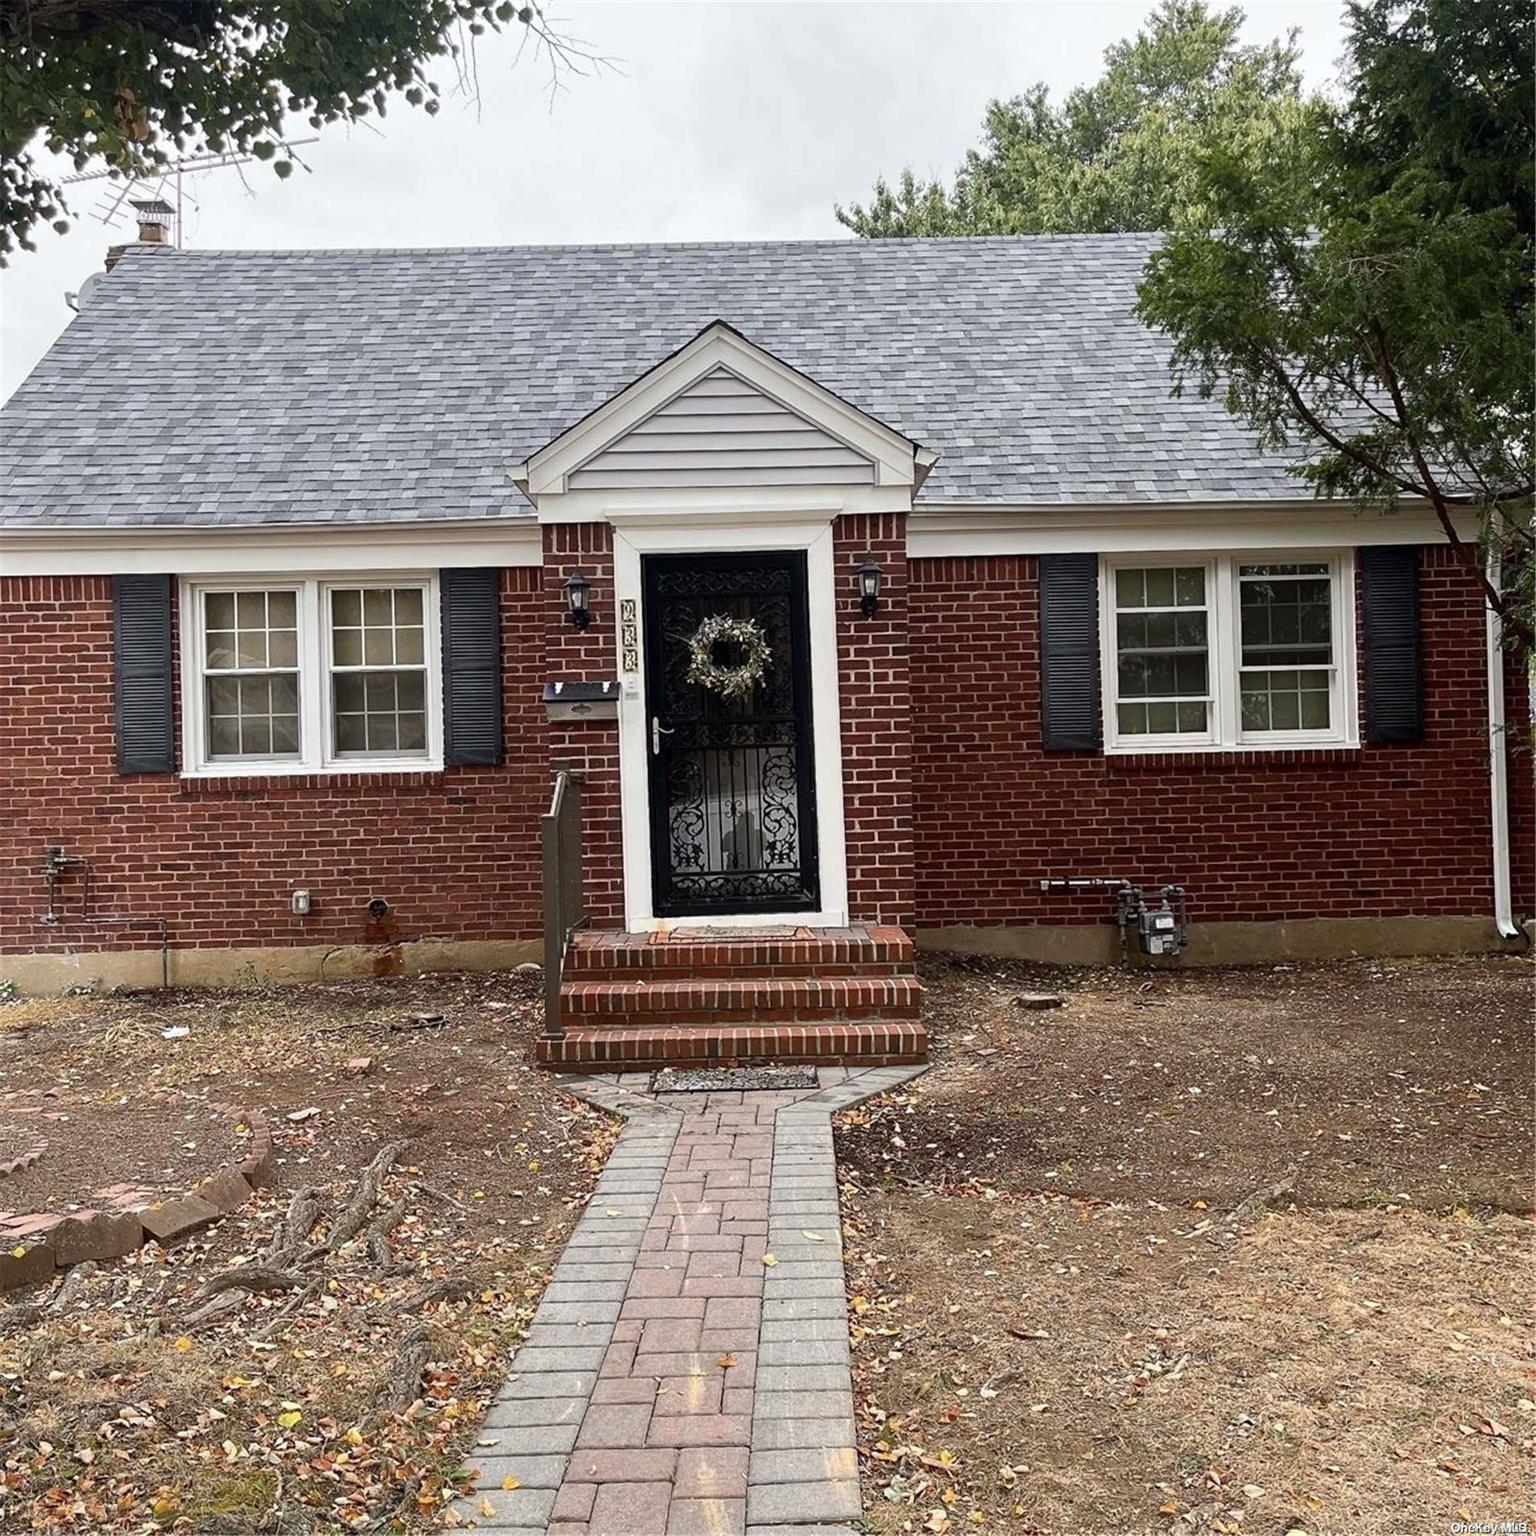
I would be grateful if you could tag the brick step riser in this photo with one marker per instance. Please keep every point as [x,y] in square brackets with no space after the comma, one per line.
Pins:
[852,970]
[705,1018]
[728,1002]
[863,1045]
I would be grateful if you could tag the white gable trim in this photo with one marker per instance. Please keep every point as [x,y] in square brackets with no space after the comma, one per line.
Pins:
[718,346]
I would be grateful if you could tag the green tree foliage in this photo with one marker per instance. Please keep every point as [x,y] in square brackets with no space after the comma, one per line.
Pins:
[1120,154]
[134,83]
[1362,296]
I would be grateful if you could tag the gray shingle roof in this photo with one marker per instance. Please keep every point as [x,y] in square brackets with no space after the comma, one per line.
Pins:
[335,386]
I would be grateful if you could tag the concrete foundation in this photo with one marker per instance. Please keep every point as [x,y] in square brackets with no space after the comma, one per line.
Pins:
[1308,938]
[49,974]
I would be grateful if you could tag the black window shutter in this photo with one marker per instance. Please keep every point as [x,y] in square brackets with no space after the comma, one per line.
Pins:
[1069,652]
[1394,687]
[471,664]
[141,673]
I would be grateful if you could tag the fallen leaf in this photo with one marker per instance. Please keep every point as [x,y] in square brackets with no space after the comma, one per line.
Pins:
[814,1237]
[725,1362]
[769,1260]
[509,1483]
[183,1344]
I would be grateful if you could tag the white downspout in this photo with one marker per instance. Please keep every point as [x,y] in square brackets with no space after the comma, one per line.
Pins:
[1498,777]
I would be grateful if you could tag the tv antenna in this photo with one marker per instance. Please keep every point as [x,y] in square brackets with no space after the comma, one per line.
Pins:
[167,184]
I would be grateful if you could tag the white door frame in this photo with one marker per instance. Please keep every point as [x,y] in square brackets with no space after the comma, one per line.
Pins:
[812,534]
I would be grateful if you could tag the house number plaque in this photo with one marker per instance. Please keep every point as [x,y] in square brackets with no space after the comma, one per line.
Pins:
[629,636]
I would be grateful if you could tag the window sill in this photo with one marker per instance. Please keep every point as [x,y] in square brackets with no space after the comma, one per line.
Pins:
[260,781]
[1197,759]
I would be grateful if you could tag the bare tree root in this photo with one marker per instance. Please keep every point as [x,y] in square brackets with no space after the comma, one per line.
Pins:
[289,1311]
[382,1226]
[351,1220]
[1247,1209]
[304,1210]
[451,1289]
[402,1386]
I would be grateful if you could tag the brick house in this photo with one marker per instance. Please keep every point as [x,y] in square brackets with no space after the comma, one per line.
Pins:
[875,591]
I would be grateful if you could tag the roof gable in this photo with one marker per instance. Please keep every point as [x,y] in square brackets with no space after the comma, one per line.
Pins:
[722,411]
[722,431]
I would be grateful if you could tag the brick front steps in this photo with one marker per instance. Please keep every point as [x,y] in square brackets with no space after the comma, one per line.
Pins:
[897,1043]
[738,998]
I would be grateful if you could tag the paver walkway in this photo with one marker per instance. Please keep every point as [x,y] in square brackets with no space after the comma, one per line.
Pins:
[686,1373]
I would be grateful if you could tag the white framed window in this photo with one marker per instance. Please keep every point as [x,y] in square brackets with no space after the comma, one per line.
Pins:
[322,674]
[1211,652]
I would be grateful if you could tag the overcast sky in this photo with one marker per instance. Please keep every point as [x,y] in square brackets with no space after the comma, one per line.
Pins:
[719,121]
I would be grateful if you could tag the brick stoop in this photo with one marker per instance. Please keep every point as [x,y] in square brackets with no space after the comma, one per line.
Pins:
[738,998]
[898,1043]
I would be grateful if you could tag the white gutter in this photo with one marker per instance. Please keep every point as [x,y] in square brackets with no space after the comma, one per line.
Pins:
[1498,777]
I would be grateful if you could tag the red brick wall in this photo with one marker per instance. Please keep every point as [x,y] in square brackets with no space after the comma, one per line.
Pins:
[874,669]
[455,853]
[1383,831]
[587,655]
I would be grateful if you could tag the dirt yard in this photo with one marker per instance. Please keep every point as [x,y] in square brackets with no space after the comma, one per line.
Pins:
[133,1401]
[1242,1251]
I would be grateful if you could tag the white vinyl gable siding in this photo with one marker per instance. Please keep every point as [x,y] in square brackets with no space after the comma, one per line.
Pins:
[723,431]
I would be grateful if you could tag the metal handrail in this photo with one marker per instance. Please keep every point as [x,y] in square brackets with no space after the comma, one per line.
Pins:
[564,905]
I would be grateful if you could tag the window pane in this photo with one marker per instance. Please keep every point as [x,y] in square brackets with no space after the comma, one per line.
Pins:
[378,647]
[285,733]
[1285,621]
[408,606]
[347,647]
[251,648]
[223,736]
[221,648]
[410,646]
[1130,589]
[411,690]
[219,610]
[1287,700]
[380,712]
[253,716]
[251,610]
[1160,587]
[347,607]
[282,610]
[1162,663]
[283,648]
[377,608]
[350,734]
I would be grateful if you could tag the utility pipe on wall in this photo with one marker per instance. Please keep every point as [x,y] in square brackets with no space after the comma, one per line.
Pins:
[1498,767]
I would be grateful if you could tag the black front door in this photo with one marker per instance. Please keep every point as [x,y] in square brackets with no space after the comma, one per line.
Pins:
[728,722]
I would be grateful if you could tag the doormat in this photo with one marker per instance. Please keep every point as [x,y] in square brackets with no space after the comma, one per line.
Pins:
[731,1079]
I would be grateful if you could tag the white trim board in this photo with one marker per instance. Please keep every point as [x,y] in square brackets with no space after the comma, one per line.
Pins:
[937,532]
[813,535]
[296,551]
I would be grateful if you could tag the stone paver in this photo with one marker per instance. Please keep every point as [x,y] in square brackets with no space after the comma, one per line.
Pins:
[672,1381]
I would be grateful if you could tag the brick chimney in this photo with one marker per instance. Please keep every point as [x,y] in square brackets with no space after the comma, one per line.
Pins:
[155,217]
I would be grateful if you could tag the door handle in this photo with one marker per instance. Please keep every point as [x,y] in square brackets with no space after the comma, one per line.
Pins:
[658,730]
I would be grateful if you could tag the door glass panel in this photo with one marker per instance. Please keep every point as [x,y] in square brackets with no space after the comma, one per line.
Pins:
[732,828]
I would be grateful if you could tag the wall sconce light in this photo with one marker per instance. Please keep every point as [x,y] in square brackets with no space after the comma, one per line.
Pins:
[869,586]
[577,590]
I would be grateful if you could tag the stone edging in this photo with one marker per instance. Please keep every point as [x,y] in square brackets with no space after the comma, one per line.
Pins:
[35,1244]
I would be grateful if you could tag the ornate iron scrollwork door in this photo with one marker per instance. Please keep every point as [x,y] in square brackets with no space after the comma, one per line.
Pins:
[732,783]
